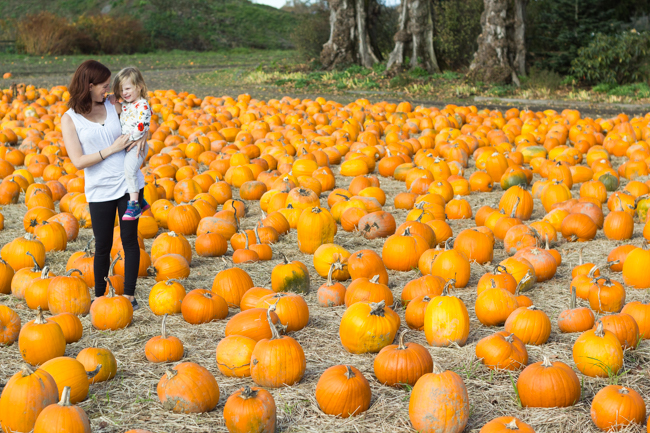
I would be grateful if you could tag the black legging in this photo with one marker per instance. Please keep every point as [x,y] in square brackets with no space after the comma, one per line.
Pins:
[102,215]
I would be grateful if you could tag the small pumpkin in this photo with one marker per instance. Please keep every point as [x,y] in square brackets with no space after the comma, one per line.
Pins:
[234,355]
[368,327]
[502,350]
[399,364]
[164,348]
[575,319]
[332,294]
[290,277]
[188,388]
[530,324]
[548,384]
[166,297]
[202,306]
[41,340]
[250,410]
[111,311]
[62,417]
[93,358]
[9,326]
[598,353]
[615,407]
[446,320]
[343,391]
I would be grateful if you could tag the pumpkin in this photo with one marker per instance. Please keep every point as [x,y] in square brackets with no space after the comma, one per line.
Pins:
[277,361]
[68,371]
[598,353]
[575,319]
[502,351]
[543,262]
[69,294]
[506,424]
[498,277]
[615,407]
[367,263]
[343,391]
[635,269]
[518,202]
[234,355]
[93,358]
[332,294]
[578,227]
[166,297]
[401,252]
[291,309]
[530,324]
[252,296]
[9,326]
[251,323]
[62,417]
[641,314]
[446,320]
[24,397]
[290,277]
[111,311]
[250,410]
[163,348]
[316,227]
[41,340]
[15,253]
[399,364]
[377,225]
[327,254]
[452,264]
[368,290]
[210,245]
[188,388]
[474,245]
[6,276]
[368,327]
[183,219]
[624,327]
[171,243]
[170,266]
[434,397]
[231,284]
[493,306]
[202,306]
[616,257]
[520,268]
[415,312]
[52,235]
[607,296]
[427,285]
[548,384]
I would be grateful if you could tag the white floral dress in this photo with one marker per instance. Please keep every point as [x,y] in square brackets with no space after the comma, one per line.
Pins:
[135,118]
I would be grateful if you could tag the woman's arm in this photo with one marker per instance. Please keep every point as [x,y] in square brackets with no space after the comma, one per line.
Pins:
[75,152]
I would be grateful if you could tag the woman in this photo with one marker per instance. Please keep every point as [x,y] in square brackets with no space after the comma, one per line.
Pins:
[92,136]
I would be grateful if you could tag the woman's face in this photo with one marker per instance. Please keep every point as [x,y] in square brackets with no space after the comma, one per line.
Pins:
[98,91]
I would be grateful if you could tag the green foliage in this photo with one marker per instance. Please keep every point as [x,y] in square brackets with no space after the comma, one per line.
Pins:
[557,29]
[541,79]
[311,32]
[418,72]
[619,58]
[400,81]
[457,24]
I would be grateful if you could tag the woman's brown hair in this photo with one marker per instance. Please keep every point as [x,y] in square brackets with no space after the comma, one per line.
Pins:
[89,72]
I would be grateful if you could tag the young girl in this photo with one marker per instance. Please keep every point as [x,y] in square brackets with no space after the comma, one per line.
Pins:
[135,118]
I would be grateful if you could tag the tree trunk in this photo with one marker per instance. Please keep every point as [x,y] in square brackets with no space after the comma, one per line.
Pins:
[416,27]
[501,50]
[349,42]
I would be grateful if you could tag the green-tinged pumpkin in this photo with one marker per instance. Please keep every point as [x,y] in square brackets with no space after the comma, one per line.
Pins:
[290,277]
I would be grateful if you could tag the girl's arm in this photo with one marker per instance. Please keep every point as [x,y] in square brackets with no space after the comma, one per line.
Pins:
[75,152]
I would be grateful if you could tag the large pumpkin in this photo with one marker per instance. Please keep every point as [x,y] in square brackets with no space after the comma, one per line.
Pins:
[598,353]
[188,388]
[399,364]
[250,410]
[41,340]
[439,403]
[615,407]
[316,227]
[290,277]
[368,327]
[546,384]
[68,371]
[343,391]
[446,320]
[231,284]
[63,417]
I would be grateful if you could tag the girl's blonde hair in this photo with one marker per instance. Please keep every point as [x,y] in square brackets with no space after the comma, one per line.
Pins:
[136,78]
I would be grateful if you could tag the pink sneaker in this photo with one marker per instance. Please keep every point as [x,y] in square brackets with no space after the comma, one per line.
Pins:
[133,211]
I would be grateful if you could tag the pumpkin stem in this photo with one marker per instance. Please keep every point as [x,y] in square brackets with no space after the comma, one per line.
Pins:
[36,267]
[87,247]
[500,269]
[623,390]
[348,372]
[335,265]
[592,272]
[163,334]
[510,338]
[315,209]
[248,392]
[343,195]
[407,231]
[118,257]
[65,397]
[400,345]
[526,278]
[171,374]
[46,270]
[95,372]
[286,261]
[512,425]
[172,234]
[514,208]
[580,257]
[437,369]
[600,331]
[445,290]
[40,320]
[257,236]
[546,362]
[111,289]
[26,370]
[377,308]
[375,279]
[612,263]
[572,303]
[448,243]
[417,220]
[71,271]
[246,236]
[274,331]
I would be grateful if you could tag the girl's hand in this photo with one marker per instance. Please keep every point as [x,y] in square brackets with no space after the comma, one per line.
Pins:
[141,144]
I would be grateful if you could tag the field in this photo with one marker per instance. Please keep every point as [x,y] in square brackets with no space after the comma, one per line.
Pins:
[129,400]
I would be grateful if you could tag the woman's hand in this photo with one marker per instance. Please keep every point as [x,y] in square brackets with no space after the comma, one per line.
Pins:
[118,145]
[141,144]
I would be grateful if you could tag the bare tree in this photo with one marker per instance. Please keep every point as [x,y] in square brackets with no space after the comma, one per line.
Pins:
[416,27]
[501,53]
[349,41]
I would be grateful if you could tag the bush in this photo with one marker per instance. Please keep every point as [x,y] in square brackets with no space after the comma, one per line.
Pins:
[614,59]
[542,79]
[109,34]
[45,34]
[457,24]
[311,33]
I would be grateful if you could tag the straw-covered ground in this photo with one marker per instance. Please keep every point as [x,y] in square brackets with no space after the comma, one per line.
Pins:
[130,401]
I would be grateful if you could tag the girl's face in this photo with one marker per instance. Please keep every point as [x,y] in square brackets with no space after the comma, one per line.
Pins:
[98,91]
[130,92]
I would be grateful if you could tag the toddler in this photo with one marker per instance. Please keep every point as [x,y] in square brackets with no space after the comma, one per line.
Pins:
[135,118]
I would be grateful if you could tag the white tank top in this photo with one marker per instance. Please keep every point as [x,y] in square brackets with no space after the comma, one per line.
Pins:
[105,180]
